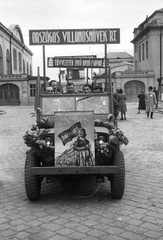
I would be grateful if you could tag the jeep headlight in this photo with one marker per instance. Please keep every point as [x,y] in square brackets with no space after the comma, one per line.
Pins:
[49,140]
[101,139]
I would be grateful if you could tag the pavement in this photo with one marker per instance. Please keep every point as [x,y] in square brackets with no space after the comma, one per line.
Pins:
[84,209]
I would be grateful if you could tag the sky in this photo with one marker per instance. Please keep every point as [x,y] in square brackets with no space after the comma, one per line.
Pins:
[76,14]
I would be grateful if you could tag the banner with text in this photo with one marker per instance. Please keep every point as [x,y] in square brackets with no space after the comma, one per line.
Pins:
[75,62]
[78,36]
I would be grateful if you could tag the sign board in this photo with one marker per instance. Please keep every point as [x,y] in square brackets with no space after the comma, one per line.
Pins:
[71,36]
[74,139]
[75,62]
[78,56]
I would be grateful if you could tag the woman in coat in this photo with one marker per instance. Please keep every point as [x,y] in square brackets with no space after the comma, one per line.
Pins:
[121,99]
[150,100]
[141,105]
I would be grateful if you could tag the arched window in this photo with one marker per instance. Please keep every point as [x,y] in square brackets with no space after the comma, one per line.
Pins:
[27,69]
[30,70]
[1,60]
[20,62]
[15,58]
[8,61]
[23,66]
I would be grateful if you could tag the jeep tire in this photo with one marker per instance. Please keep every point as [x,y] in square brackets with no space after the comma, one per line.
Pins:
[118,179]
[32,182]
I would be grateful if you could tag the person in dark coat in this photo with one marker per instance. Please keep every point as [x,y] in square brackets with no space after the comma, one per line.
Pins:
[115,94]
[121,99]
[141,105]
[156,93]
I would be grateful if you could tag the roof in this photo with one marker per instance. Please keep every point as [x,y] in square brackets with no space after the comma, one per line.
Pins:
[154,20]
[15,32]
[119,55]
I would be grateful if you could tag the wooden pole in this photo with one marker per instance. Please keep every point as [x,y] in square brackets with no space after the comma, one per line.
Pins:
[106,72]
[108,81]
[87,76]
[37,95]
[44,70]
[110,91]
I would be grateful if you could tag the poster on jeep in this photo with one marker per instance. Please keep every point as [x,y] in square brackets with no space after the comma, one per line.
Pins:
[74,139]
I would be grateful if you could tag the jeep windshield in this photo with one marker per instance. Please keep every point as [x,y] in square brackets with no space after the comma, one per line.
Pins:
[56,103]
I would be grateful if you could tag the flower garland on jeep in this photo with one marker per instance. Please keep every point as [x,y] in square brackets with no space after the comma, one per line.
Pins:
[116,136]
[34,138]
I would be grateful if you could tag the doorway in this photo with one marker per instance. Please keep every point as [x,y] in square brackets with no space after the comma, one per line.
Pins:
[132,89]
[9,95]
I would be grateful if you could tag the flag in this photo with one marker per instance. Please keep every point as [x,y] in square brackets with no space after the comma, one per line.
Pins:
[70,133]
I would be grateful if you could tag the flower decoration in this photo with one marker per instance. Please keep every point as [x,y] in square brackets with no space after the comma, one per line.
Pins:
[45,123]
[33,138]
[116,136]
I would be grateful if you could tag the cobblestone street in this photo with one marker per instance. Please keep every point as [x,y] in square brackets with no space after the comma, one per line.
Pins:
[84,209]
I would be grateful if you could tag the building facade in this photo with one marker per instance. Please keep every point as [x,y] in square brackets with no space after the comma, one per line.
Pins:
[148,46]
[16,85]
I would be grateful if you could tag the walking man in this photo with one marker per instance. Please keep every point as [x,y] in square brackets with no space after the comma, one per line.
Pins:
[150,100]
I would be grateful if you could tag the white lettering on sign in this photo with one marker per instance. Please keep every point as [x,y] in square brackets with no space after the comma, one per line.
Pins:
[45,37]
[78,36]
[67,62]
[84,36]
[78,62]
[86,63]
[113,36]
[97,63]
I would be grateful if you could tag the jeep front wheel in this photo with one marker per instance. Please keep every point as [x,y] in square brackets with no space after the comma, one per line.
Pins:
[118,179]
[32,182]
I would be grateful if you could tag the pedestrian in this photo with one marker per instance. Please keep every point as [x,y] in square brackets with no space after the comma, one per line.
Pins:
[162,98]
[70,88]
[49,90]
[141,105]
[115,94]
[97,89]
[121,99]
[54,85]
[156,92]
[150,100]
[87,88]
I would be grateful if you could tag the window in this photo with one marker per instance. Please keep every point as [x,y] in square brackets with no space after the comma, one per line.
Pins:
[8,61]
[136,68]
[135,49]
[27,69]
[20,62]
[1,60]
[30,70]
[15,58]
[75,73]
[23,66]
[146,49]
[69,74]
[143,53]
[139,53]
[33,89]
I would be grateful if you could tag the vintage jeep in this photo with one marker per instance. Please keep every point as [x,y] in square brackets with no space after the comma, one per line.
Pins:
[75,135]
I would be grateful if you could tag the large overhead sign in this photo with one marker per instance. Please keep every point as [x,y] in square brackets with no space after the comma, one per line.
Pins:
[54,62]
[78,36]
[77,56]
